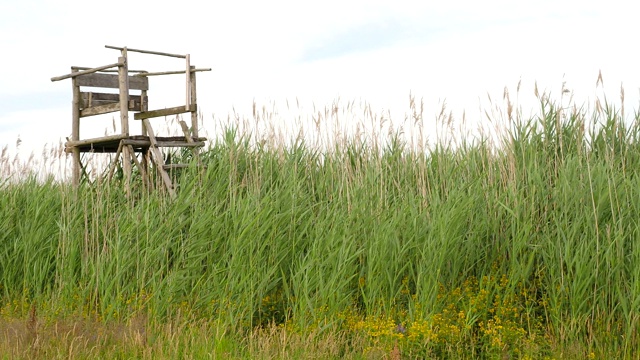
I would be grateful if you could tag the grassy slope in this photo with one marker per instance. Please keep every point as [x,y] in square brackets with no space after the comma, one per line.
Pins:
[527,249]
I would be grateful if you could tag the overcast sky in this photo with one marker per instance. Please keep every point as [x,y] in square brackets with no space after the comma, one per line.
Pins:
[315,51]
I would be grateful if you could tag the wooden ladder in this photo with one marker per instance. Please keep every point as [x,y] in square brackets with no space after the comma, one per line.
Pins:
[158,159]
[156,156]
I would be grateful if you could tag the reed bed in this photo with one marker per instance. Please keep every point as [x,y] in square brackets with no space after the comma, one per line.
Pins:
[515,243]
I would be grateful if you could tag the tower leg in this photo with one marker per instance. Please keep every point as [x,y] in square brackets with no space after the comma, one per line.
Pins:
[123,80]
[75,131]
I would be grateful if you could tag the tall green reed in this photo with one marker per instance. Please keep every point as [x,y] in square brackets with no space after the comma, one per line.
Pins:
[303,234]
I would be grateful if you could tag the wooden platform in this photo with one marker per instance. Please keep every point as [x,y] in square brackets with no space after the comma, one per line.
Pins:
[89,99]
[139,143]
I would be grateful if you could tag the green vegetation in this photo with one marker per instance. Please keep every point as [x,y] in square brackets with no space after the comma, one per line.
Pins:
[522,247]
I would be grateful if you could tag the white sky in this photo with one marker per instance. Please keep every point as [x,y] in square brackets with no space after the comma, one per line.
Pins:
[273,51]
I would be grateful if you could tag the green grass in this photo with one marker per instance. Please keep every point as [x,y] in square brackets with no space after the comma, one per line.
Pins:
[522,246]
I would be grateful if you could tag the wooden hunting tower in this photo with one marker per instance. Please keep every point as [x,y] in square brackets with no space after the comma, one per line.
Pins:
[90,103]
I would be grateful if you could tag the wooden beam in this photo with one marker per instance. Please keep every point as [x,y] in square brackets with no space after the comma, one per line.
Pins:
[180,144]
[160,143]
[194,100]
[112,167]
[75,143]
[107,70]
[145,51]
[110,81]
[164,112]
[141,168]
[188,102]
[81,73]
[185,131]
[123,89]
[143,107]
[168,72]
[75,131]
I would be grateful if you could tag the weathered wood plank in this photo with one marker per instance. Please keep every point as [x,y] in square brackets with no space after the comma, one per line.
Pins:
[164,112]
[110,81]
[72,143]
[100,109]
[91,99]
[160,143]
[180,144]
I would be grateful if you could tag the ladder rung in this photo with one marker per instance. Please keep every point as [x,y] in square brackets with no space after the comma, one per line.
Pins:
[165,112]
[175,166]
[180,166]
[179,144]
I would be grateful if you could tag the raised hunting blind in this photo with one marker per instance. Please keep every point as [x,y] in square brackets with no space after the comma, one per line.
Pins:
[88,101]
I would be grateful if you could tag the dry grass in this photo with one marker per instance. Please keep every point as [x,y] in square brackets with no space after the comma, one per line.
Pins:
[80,338]
[71,339]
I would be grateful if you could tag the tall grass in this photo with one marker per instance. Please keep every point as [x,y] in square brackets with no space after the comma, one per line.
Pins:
[543,220]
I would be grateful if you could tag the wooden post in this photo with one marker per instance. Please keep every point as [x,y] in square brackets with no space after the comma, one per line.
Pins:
[144,106]
[141,168]
[123,80]
[194,114]
[75,130]
[188,72]
[194,100]
[112,167]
